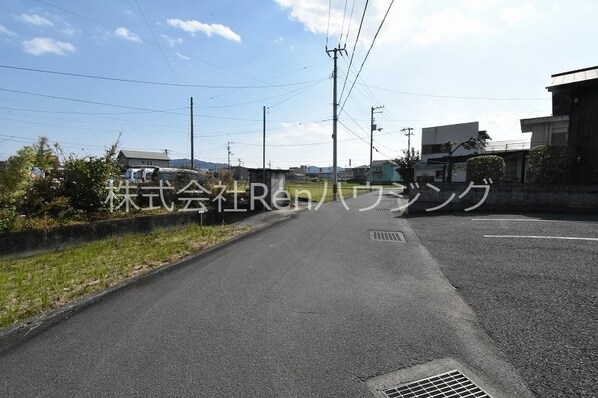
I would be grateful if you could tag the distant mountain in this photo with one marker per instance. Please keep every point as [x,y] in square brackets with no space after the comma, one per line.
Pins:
[199,164]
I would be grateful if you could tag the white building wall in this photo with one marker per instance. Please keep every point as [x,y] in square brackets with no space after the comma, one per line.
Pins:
[441,134]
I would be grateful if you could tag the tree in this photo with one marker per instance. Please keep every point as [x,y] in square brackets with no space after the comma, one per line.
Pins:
[86,180]
[471,144]
[45,158]
[406,164]
[15,175]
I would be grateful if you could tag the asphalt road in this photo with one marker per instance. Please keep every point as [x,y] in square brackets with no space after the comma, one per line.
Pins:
[537,298]
[310,307]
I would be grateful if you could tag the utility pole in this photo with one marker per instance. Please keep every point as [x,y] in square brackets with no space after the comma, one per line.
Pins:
[192,146]
[373,127]
[408,133]
[264,147]
[229,153]
[335,52]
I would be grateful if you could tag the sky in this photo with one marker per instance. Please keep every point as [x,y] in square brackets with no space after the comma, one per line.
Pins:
[84,72]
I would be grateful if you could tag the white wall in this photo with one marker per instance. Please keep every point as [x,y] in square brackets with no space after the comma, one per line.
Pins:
[454,132]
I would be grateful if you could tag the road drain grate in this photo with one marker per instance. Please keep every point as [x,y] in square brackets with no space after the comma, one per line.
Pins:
[383,210]
[387,236]
[452,384]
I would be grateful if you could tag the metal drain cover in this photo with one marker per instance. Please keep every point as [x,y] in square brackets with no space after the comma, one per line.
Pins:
[382,210]
[453,384]
[387,236]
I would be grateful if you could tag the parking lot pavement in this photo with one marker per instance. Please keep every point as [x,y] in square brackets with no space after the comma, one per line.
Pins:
[533,282]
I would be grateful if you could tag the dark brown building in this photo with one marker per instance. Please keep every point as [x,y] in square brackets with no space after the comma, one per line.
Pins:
[575,94]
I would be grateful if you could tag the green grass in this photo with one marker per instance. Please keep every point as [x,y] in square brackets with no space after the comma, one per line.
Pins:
[35,284]
[316,190]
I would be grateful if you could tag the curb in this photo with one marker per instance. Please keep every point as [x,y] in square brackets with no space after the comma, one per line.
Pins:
[14,336]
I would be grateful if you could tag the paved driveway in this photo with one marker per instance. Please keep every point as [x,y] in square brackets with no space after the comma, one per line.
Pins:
[533,282]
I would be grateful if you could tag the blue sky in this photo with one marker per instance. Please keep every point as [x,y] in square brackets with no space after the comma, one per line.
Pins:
[433,63]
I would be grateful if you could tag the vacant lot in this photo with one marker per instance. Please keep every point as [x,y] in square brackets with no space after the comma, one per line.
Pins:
[316,190]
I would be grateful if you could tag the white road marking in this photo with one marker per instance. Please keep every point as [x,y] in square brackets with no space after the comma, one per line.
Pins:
[514,219]
[541,237]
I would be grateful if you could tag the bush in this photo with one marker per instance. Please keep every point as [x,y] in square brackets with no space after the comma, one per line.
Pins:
[551,164]
[485,166]
[8,218]
[14,177]
[86,182]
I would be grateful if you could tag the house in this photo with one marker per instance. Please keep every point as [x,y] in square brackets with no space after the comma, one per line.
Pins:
[435,138]
[439,159]
[360,174]
[323,173]
[297,174]
[127,159]
[574,120]
[441,163]
[383,172]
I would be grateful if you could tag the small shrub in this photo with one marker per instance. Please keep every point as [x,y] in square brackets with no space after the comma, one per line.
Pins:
[8,218]
[551,164]
[485,166]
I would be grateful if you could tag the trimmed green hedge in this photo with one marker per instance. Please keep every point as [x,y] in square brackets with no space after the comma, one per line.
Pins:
[485,166]
[551,164]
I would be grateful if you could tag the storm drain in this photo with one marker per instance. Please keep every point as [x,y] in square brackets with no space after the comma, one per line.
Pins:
[452,384]
[383,210]
[387,236]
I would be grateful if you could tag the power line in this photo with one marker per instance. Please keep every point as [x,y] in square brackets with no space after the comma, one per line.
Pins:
[85,113]
[296,92]
[161,52]
[350,20]
[461,97]
[354,47]
[90,102]
[158,44]
[368,53]
[340,39]
[155,83]
[328,24]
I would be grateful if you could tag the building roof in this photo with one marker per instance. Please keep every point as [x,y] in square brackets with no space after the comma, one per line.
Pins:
[527,124]
[144,155]
[575,76]
[381,162]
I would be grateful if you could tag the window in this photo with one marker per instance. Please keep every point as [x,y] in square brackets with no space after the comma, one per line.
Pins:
[432,148]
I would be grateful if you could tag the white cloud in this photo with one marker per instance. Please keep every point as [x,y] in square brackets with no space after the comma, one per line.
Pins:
[69,30]
[181,56]
[126,34]
[313,14]
[409,21]
[194,26]
[172,42]
[47,45]
[279,40]
[34,20]
[515,15]
[6,31]
[446,25]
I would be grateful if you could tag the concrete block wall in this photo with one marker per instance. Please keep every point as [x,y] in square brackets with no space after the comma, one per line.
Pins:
[507,197]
